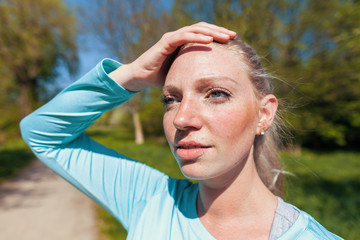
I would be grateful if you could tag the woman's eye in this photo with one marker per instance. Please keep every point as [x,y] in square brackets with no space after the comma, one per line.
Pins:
[168,100]
[219,94]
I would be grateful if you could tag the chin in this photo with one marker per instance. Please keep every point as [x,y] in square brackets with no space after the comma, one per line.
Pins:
[192,173]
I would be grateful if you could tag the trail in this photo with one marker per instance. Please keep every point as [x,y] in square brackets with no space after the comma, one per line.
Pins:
[40,205]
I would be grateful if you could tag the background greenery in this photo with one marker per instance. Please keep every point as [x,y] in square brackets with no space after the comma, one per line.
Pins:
[14,156]
[313,46]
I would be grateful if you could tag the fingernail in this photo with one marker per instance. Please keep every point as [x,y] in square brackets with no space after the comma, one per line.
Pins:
[207,38]
[224,35]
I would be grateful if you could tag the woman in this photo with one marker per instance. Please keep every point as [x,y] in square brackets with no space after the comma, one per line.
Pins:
[219,124]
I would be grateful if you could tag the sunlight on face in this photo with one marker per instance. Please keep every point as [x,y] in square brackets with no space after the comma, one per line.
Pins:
[211,113]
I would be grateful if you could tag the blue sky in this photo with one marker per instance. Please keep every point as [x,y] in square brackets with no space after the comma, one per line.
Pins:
[89,51]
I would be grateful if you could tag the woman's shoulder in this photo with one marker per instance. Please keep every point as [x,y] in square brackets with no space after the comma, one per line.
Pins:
[306,227]
[180,187]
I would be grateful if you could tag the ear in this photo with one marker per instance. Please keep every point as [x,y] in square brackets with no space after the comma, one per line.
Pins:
[267,111]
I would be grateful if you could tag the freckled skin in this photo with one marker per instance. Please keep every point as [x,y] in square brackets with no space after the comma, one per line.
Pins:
[211,121]
[225,121]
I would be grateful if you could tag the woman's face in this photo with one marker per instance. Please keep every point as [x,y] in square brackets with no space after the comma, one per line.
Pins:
[212,115]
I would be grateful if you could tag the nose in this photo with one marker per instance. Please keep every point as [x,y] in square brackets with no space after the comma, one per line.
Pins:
[188,115]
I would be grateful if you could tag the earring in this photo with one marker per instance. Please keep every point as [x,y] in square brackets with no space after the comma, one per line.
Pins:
[262,132]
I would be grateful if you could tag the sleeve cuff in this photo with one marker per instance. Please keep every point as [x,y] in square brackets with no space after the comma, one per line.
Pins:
[105,67]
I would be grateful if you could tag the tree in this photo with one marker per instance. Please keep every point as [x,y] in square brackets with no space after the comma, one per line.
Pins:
[126,29]
[35,38]
[319,59]
[257,22]
[331,78]
[151,114]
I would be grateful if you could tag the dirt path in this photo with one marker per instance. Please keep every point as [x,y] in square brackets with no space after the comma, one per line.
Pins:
[40,205]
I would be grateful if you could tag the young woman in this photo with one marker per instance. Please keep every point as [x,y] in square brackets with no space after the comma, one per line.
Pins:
[220,123]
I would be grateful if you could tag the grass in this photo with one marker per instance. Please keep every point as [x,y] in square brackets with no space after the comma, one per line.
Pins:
[14,156]
[326,185]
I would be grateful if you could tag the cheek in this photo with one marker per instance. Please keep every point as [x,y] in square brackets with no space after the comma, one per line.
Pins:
[168,125]
[236,122]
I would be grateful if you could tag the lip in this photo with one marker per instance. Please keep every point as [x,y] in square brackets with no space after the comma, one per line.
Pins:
[190,150]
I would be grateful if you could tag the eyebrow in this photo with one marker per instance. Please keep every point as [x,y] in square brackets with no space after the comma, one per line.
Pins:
[206,81]
[202,83]
[170,89]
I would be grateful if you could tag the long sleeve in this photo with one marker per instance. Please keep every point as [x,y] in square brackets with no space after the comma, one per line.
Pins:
[54,132]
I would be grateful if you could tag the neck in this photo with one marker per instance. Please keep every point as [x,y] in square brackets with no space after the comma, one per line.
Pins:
[236,198]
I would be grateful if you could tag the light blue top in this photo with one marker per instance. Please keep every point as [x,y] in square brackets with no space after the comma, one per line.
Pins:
[147,202]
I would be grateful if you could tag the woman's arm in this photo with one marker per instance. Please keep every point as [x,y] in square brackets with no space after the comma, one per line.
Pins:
[55,134]
[55,131]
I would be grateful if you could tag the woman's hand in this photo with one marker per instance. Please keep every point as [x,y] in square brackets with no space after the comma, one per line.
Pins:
[150,68]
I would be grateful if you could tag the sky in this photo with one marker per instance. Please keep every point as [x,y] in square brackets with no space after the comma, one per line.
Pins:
[89,53]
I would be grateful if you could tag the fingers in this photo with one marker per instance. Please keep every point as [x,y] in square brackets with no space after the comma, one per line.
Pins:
[218,33]
[150,68]
[202,33]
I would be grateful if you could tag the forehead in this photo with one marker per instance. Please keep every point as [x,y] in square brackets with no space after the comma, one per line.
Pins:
[198,61]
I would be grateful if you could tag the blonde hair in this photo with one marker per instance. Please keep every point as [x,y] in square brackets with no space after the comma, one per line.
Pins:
[267,146]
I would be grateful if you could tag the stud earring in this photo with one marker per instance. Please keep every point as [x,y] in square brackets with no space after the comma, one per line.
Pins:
[262,132]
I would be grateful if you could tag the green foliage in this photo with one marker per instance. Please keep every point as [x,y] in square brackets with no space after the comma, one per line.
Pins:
[319,59]
[109,226]
[14,156]
[151,113]
[326,186]
[35,38]
[257,22]
[9,118]
[331,83]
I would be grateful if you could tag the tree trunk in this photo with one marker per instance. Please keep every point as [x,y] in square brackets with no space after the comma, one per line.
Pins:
[24,100]
[139,135]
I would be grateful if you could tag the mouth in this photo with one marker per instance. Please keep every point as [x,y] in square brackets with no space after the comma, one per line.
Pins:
[190,150]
